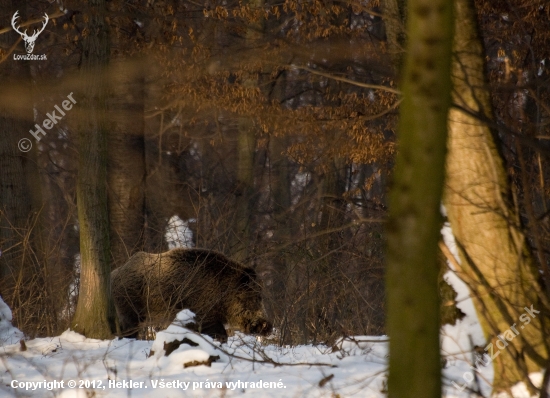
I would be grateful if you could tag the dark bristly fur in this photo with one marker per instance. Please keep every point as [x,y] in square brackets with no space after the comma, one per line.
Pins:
[151,288]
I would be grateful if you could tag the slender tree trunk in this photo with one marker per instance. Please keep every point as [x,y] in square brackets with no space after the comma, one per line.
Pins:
[332,187]
[494,256]
[280,192]
[414,223]
[157,211]
[246,150]
[284,276]
[332,205]
[126,168]
[393,11]
[94,316]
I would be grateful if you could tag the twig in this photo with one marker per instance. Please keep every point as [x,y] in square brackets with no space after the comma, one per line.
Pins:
[349,81]
[265,357]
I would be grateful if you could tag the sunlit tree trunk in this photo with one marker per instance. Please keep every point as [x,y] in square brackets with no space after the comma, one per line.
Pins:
[494,256]
[94,315]
[414,224]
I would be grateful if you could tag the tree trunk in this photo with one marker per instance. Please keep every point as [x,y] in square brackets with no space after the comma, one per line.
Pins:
[393,11]
[493,251]
[414,223]
[283,275]
[126,170]
[94,315]
[157,207]
[333,206]
[22,238]
[246,149]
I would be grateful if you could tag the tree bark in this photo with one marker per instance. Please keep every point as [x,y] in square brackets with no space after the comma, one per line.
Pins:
[393,11]
[413,228]
[126,165]
[495,259]
[332,189]
[280,185]
[246,150]
[22,236]
[94,315]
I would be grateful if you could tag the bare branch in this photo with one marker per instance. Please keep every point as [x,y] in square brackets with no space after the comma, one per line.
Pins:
[349,81]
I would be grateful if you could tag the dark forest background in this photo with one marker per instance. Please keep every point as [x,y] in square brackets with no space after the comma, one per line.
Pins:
[269,127]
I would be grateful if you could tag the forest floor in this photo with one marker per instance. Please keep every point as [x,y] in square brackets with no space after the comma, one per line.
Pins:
[125,368]
[71,365]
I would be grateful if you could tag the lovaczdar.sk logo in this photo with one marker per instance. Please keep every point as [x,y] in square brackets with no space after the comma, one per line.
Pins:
[29,40]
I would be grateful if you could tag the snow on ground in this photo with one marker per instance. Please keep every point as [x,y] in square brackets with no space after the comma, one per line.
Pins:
[124,368]
[355,367]
[8,333]
[457,340]
[464,371]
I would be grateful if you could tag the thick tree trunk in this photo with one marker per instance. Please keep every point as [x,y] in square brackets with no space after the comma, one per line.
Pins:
[22,237]
[14,199]
[493,251]
[94,316]
[414,224]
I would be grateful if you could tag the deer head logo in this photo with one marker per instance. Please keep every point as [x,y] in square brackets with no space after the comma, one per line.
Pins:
[29,40]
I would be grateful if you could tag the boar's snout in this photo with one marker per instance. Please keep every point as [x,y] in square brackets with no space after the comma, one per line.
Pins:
[259,326]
